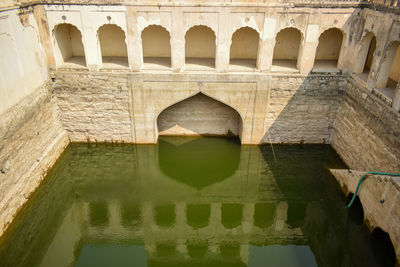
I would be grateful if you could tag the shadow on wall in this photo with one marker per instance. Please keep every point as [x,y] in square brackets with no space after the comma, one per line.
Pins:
[199,115]
[303,110]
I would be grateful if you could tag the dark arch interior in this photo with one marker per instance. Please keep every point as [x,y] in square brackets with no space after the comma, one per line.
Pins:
[383,245]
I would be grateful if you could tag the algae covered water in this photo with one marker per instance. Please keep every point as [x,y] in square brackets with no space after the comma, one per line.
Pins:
[186,201]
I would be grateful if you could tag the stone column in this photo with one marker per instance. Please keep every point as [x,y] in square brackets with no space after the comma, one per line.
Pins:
[90,41]
[135,55]
[248,218]
[147,215]
[281,215]
[266,45]
[223,42]
[215,218]
[114,219]
[344,62]
[244,253]
[177,40]
[180,212]
[396,99]
[308,49]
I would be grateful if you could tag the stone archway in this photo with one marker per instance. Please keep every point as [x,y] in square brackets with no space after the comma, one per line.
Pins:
[199,115]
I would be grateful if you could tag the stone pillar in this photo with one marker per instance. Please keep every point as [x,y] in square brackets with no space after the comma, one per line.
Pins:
[177,40]
[248,218]
[281,215]
[147,215]
[308,49]
[215,218]
[114,219]
[135,55]
[90,41]
[266,45]
[396,99]
[344,61]
[223,42]
[180,211]
[244,253]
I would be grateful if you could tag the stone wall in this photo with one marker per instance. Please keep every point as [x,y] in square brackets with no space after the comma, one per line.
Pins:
[367,131]
[303,109]
[32,139]
[124,107]
[94,107]
[23,65]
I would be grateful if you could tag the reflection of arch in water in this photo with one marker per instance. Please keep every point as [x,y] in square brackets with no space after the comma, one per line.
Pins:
[296,214]
[196,249]
[164,215]
[196,116]
[198,215]
[264,214]
[200,162]
[231,215]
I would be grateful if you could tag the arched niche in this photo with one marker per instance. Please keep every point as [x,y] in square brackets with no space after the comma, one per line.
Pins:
[389,72]
[363,63]
[200,48]
[244,49]
[286,50]
[202,120]
[69,49]
[156,47]
[328,51]
[114,53]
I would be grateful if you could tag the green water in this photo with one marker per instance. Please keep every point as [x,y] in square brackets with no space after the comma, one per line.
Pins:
[190,202]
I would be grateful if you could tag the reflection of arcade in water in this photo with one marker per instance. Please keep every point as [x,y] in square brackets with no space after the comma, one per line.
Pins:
[127,205]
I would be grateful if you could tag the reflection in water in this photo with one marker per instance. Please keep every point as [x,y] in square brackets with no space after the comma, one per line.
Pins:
[264,214]
[98,214]
[199,162]
[198,215]
[165,215]
[197,249]
[189,201]
[130,214]
[281,256]
[231,215]
[296,214]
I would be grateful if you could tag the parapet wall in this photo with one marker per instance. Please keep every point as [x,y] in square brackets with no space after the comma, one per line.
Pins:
[366,131]
[32,139]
